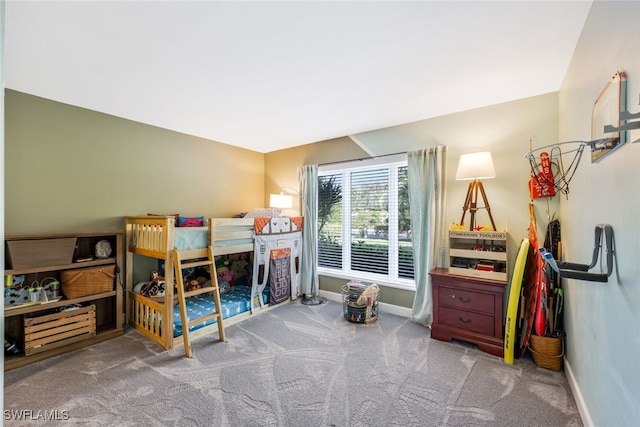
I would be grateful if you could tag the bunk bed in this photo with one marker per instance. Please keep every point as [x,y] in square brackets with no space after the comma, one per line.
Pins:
[158,237]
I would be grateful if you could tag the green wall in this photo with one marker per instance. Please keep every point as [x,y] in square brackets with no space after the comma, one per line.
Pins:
[68,169]
[72,169]
[602,319]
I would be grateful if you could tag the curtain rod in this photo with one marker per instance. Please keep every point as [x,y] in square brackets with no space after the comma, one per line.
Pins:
[362,159]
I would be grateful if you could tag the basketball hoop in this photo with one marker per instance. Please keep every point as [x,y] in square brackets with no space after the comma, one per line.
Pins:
[549,164]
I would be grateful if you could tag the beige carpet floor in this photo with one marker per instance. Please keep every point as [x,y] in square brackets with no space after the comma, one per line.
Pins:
[295,365]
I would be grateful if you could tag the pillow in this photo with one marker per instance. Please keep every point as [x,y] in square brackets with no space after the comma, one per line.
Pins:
[263,213]
[190,222]
[173,215]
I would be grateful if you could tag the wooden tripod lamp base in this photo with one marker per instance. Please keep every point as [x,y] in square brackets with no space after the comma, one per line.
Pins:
[474,167]
[471,204]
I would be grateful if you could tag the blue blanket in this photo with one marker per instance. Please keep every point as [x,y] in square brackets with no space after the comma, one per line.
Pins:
[233,303]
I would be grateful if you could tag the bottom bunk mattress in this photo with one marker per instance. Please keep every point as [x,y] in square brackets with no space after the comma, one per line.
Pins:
[233,303]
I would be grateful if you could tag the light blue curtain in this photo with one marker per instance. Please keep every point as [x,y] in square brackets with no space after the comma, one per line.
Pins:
[426,175]
[308,183]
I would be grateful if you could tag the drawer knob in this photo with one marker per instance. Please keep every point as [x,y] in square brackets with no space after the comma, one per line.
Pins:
[461,299]
[464,320]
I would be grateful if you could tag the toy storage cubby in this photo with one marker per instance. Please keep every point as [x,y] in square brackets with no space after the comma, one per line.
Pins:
[39,329]
[481,254]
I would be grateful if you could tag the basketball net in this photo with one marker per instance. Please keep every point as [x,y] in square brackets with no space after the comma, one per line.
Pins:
[548,171]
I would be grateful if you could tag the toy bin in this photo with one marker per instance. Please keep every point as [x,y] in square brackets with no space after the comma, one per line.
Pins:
[32,253]
[55,330]
[360,302]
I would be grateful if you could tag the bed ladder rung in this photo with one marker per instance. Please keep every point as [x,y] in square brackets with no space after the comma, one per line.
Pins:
[196,264]
[199,291]
[211,316]
[179,265]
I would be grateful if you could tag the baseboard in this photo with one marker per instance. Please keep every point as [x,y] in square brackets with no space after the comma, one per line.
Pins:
[382,307]
[577,395]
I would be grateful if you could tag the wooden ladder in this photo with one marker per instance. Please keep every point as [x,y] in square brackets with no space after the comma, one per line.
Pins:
[187,323]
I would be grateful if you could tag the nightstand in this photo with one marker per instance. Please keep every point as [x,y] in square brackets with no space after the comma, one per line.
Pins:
[468,309]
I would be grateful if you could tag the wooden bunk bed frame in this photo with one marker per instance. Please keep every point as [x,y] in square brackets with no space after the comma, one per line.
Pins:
[153,236]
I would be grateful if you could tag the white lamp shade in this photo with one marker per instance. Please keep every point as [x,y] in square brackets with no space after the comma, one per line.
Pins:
[475,166]
[281,201]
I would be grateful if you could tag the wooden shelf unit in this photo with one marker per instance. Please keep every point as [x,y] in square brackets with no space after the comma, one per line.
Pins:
[474,248]
[108,305]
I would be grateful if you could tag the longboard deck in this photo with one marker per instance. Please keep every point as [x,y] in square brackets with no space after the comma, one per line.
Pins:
[538,286]
[511,323]
[529,297]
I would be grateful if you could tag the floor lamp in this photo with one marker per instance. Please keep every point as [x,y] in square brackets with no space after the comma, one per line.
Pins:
[473,167]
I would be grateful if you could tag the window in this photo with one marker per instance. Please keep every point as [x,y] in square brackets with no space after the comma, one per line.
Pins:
[364,228]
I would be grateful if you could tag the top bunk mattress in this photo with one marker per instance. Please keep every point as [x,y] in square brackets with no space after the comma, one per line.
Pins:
[187,238]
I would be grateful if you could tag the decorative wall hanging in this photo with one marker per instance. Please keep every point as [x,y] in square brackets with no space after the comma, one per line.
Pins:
[542,182]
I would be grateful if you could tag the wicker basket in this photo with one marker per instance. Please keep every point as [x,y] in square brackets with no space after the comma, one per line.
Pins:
[88,281]
[547,352]
[359,313]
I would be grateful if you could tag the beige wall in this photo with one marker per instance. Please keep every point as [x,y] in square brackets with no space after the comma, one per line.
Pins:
[72,169]
[281,166]
[504,129]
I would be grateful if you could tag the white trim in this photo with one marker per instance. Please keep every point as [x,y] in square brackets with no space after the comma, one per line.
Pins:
[393,238]
[382,307]
[404,284]
[331,296]
[390,163]
[577,395]
[346,222]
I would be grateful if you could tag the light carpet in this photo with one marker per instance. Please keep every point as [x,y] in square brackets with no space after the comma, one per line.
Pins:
[294,365]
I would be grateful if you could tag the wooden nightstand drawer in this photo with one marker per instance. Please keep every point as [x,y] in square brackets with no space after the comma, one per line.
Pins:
[466,300]
[468,309]
[467,320]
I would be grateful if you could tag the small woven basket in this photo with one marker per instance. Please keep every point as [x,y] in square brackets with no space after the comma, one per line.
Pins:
[547,352]
[88,281]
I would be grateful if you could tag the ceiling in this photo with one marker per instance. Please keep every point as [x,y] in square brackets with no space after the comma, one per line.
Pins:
[270,75]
